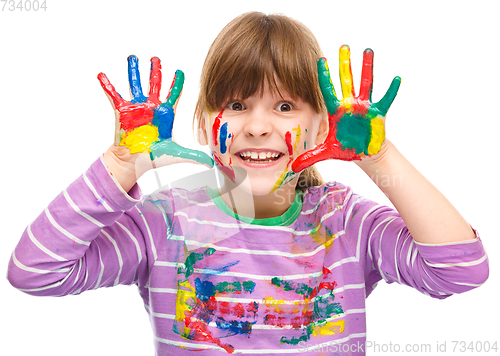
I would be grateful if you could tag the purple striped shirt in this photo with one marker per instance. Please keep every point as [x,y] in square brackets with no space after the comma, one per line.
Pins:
[215,282]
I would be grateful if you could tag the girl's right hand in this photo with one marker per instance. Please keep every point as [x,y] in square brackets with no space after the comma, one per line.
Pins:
[143,126]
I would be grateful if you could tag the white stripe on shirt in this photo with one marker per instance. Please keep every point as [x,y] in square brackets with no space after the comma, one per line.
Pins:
[77,209]
[98,197]
[63,231]
[43,248]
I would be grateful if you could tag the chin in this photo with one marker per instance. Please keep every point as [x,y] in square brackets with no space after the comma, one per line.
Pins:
[256,187]
[261,186]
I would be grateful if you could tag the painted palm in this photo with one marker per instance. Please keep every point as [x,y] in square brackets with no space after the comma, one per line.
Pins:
[144,124]
[356,125]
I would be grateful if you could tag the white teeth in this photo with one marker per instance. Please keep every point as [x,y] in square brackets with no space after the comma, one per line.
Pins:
[260,155]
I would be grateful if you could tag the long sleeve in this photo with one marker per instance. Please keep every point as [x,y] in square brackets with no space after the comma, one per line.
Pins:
[380,237]
[84,239]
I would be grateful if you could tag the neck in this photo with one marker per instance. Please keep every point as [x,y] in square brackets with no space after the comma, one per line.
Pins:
[264,206]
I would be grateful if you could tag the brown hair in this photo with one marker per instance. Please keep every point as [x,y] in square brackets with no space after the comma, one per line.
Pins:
[255,49]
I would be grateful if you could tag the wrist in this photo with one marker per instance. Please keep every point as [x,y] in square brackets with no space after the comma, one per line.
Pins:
[125,167]
[375,163]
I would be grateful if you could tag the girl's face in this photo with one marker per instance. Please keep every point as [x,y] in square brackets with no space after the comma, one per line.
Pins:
[254,141]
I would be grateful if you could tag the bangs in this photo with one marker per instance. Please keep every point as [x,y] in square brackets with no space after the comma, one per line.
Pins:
[257,50]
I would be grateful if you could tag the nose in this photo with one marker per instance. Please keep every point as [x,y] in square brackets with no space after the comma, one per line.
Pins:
[257,124]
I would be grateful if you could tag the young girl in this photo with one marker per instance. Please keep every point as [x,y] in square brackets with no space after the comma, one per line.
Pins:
[274,261]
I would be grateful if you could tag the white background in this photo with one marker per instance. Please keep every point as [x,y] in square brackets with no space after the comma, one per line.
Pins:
[55,121]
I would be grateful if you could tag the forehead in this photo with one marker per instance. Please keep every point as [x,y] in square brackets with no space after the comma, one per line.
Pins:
[273,89]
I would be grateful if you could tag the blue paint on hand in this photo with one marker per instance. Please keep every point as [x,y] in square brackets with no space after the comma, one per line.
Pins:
[164,120]
[134,79]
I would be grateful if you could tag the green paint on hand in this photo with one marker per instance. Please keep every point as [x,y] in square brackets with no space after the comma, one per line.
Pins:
[175,90]
[354,131]
[171,148]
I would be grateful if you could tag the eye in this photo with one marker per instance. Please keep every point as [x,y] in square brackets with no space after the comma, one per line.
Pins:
[284,107]
[236,106]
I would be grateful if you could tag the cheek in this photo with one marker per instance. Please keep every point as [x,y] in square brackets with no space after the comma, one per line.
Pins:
[308,139]
[220,134]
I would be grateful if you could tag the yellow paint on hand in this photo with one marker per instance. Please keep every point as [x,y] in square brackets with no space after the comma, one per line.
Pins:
[140,138]
[346,76]
[329,328]
[378,135]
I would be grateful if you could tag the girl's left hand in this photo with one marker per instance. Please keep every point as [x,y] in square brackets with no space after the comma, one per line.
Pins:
[356,125]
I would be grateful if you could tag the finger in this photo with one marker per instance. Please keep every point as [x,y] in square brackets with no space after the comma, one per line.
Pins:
[320,153]
[385,103]
[175,89]
[109,89]
[345,72]
[134,79]
[172,149]
[365,89]
[326,86]
[155,80]
[164,114]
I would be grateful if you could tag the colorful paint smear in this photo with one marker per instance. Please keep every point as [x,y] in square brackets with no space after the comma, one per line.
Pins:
[219,137]
[288,175]
[216,128]
[312,316]
[356,125]
[197,306]
[145,123]
[223,136]
[207,310]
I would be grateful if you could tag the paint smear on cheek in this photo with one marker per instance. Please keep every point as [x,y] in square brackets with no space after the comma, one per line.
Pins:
[216,127]
[287,176]
[223,136]
[220,134]
[281,179]
[298,134]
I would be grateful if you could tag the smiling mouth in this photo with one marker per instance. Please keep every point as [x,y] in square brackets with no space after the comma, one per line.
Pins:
[259,157]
